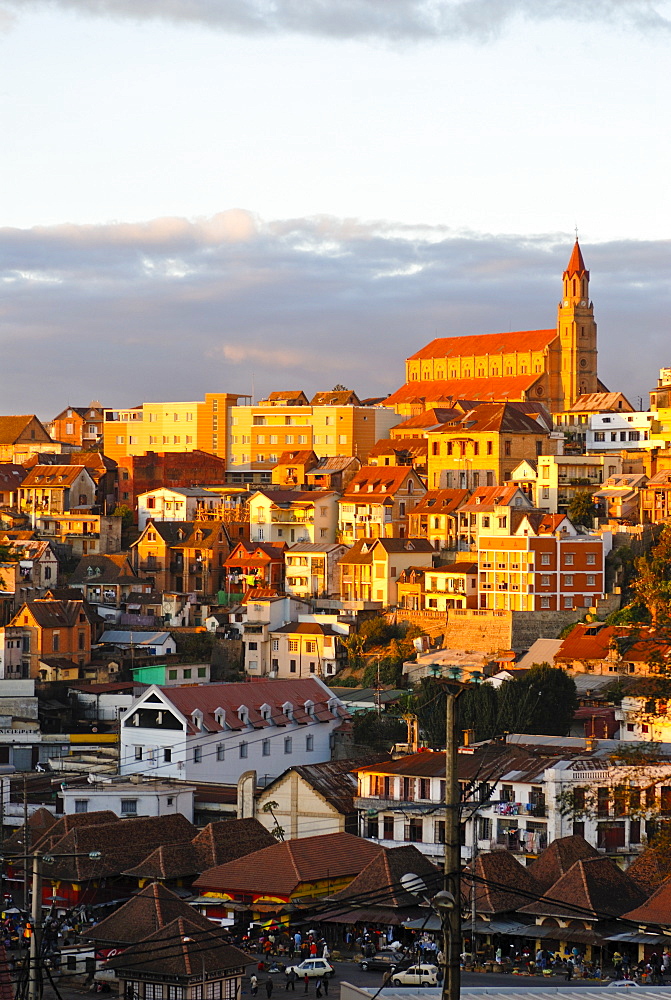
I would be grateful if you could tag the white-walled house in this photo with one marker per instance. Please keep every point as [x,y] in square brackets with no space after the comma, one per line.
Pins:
[175,503]
[522,794]
[215,732]
[290,516]
[260,618]
[644,719]
[130,796]
[311,569]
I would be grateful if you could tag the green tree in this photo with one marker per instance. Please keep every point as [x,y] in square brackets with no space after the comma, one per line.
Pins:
[543,702]
[581,508]
[477,709]
[123,511]
[377,732]
[652,583]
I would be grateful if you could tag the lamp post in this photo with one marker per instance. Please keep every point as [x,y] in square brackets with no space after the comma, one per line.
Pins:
[448,903]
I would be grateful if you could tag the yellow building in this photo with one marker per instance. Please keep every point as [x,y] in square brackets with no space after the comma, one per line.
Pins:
[483,446]
[261,433]
[161,427]
[553,367]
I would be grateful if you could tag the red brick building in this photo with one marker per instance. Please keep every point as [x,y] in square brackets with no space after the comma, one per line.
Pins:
[141,473]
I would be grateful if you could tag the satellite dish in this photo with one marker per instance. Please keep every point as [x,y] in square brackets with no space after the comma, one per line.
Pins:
[414,884]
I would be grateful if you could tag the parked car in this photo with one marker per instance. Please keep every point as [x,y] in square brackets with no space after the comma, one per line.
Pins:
[385,960]
[312,967]
[416,975]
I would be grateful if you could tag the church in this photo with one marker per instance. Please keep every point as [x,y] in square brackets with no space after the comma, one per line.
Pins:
[552,367]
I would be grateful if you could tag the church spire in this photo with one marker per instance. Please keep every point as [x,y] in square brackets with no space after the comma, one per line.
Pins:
[576,265]
[576,279]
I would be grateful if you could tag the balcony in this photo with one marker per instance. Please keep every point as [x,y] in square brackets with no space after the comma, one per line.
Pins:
[290,517]
[150,566]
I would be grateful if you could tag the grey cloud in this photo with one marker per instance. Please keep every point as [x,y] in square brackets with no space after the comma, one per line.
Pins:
[394,20]
[173,308]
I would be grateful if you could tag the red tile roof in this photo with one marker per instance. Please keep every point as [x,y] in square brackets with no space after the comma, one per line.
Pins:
[385,481]
[486,343]
[440,502]
[502,884]
[576,264]
[594,643]
[490,389]
[143,914]
[181,950]
[650,869]
[592,888]
[279,870]
[556,859]
[655,910]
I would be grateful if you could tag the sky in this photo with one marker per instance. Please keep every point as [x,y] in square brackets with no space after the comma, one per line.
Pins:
[249,195]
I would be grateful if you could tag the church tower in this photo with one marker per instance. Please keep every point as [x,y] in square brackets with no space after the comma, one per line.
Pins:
[576,330]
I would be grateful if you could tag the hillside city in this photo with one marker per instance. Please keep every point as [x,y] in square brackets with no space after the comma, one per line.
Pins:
[369,687]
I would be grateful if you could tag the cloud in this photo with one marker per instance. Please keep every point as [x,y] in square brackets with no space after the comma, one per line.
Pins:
[394,20]
[174,308]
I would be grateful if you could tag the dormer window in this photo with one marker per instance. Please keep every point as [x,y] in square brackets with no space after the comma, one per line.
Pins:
[266,713]
[243,715]
[309,708]
[220,717]
[197,718]
[288,711]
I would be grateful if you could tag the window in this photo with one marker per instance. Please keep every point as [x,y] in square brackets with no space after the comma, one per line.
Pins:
[276,645]
[288,743]
[591,580]
[545,602]
[568,559]
[252,645]
[591,559]
[265,748]
[568,580]
[129,807]
[545,558]
[81,805]
[293,645]
[202,671]
[243,748]
[309,743]
[568,602]
[172,675]
[221,751]
[187,674]
[138,753]
[197,755]
[167,755]
[292,666]
[153,991]
[507,445]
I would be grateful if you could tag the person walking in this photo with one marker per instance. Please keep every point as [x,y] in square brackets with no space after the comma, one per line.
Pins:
[325,984]
[306,982]
[291,981]
[269,987]
[318,987]
[254,983]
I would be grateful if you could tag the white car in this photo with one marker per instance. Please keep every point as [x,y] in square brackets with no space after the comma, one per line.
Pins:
[416,975]
[312,967]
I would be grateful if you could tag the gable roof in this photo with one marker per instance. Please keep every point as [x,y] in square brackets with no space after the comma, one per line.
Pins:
[54,476]
[440,502]
[448,392]
[383,875]
[601,402]
[143,914]
[182,949]
[496,496]
[337,397]
[656,909]
[556,859]
[650,869]
[13,427]
[332,779]
[379,482]
[53,614]
[486,343]
[592,888]
[279,870]
[332,464]
[114,567]
[501,883]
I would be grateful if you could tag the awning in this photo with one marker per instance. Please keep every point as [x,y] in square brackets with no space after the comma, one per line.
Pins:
[632,937]
[379,915]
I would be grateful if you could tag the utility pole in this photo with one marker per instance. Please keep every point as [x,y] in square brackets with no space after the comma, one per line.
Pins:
[452,864]
[34,971]
[26,839]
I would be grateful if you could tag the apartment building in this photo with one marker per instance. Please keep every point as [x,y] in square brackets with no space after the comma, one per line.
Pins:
[170,426]
[560,477]
[175,503]
[434,517]
[575,421]
[543,563]
[84,533]
[311,569]
[369,572]
[143,473]
[261,433]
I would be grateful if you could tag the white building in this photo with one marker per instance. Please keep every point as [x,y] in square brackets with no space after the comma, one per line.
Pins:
[260,619]
[644,720]
[617,431]
[291,516]
[175,503]
[518,796]
[130,796]
[215,732]
[311,569]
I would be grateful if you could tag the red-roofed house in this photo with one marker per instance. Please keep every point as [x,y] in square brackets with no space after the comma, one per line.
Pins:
[286,516]
[213,733]
[377,502]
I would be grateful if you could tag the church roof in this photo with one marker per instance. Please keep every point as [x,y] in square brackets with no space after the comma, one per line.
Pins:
[494,389]
[486,343]
[576,265]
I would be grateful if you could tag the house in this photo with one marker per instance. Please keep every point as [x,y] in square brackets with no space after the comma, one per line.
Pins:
[291,468]
[482,446]
[56,489]
[262,615]
[434,517]
[79,426]
[174,674]
[542,564]
[643,717]
[561,477]
[332,473]
[32,569]
[22,436]
[400,451]
[377,503]
[214,732]
[254,564]
[523,793]
[107,579]
[311,569]
[311,645]
[620,498]
[175,503]
[103,472]
[84,534]
[488,510]
[181,958]
[128,797]
[51,628]
[11,477]
[575,421]
[598,649]
[152,555]
[288,516]
[198,560]
[656,498]
[143,643]
[307,866]
[370,570]
[141,473]
[438,588]
[310,800]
